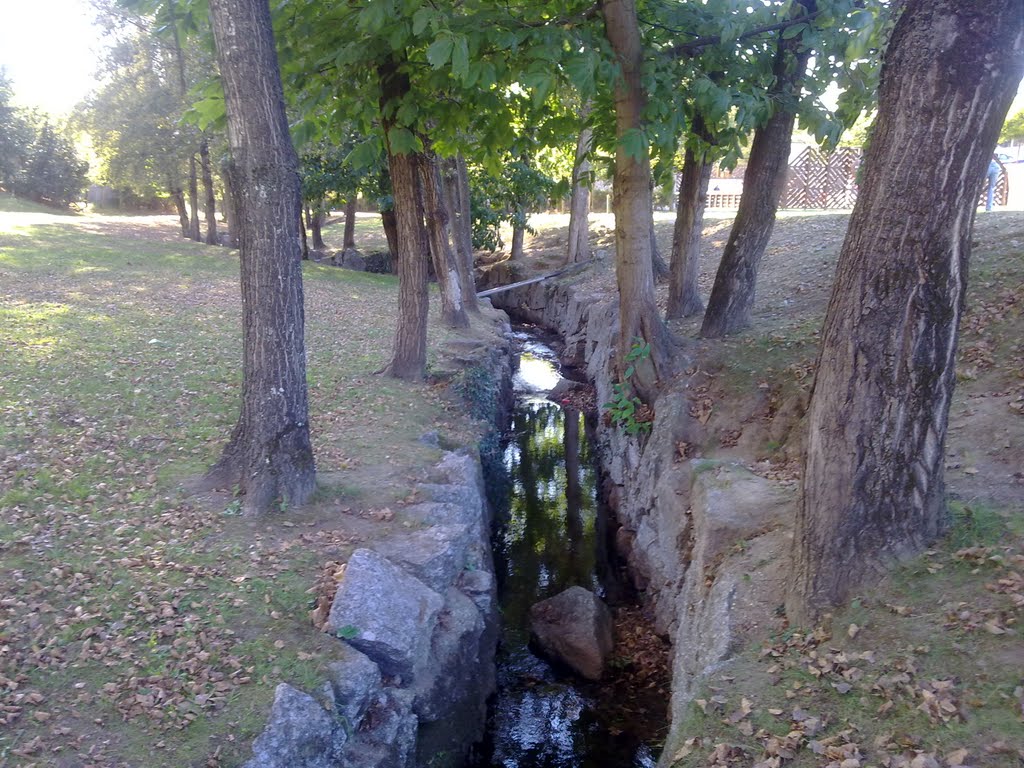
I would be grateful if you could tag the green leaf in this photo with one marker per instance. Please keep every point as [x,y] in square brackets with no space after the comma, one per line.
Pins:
[403,141]
[460,58]
[796,30]
[421,19]
[634,143]
[440,51]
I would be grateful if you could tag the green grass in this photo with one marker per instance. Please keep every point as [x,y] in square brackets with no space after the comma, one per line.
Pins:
[161,615]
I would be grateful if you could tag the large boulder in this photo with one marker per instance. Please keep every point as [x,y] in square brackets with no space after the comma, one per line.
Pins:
[575,628]
[387,738]
[384,612]
[299,734]
[435,555]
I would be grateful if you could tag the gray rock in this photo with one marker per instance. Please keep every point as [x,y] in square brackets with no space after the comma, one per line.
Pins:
[299,734]
[390,614]
[575,628]
[350,258]
[387,738]
[353,681]
[456,669]
[434,555]
[478,584]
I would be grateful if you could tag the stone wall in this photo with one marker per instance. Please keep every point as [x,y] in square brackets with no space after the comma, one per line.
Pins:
[417,622]
[706,540]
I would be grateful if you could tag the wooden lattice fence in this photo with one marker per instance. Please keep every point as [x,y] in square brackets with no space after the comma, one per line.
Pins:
[829,181]
[822,180]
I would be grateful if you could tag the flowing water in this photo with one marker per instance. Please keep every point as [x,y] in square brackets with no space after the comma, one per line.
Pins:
[552,534]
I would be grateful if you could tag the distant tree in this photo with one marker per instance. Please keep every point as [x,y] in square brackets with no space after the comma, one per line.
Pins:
[15,134]
[1013,128]
[873,489]
[51,171]
[269,456]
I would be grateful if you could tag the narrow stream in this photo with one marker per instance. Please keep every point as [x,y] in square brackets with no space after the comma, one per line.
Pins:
[553,534]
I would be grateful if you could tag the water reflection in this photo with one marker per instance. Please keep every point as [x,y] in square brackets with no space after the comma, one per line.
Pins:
[553,535]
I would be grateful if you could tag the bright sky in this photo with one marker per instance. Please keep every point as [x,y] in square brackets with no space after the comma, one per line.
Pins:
[48,49]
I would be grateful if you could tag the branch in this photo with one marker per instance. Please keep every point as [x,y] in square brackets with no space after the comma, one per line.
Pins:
[694,47]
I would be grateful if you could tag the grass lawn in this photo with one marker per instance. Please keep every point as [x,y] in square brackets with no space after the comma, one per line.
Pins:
[141,626]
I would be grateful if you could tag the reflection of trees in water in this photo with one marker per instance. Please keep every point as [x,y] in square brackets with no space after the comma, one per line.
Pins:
[548,543]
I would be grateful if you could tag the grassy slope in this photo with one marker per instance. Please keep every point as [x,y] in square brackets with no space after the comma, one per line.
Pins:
[139,626]
[934,664]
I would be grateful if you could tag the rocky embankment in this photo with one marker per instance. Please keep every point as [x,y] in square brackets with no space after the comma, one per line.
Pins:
[706,538]
[417,625]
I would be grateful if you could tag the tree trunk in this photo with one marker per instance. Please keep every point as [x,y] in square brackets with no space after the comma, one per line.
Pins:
[732,296]
[579,203]
[193,201]
[230,208]
[659,267]
[683,294]
[457,186]
[518,236]
[634,211]
[873,474]
[269,456]
[409,357]
[210,207]
[389,222]
[178,196]
[453,313]
[317,226]
[349,240]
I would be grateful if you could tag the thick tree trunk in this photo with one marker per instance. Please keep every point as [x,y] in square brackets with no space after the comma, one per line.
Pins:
[579,202]
[518,236]
[409,357]
[634,212]
[269,456]
[389,221]
[873,475]
[193,201]
[683,294]
[317,227]
[732,295]
[435,212]
[210,206]
[349,240]
[457,185]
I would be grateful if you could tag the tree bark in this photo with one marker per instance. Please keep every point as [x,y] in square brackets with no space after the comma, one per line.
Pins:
[349,240]
[579,202]
[873,474]
[453,313]
[518,236]
[230,208]
[457,178]
[178,196]
[732,295]
[389,222]
[634,212]
[210,206]
[269,456]
[317,226]
[683,294]
[409,357]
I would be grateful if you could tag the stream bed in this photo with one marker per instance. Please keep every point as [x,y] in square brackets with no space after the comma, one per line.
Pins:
[553,533]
